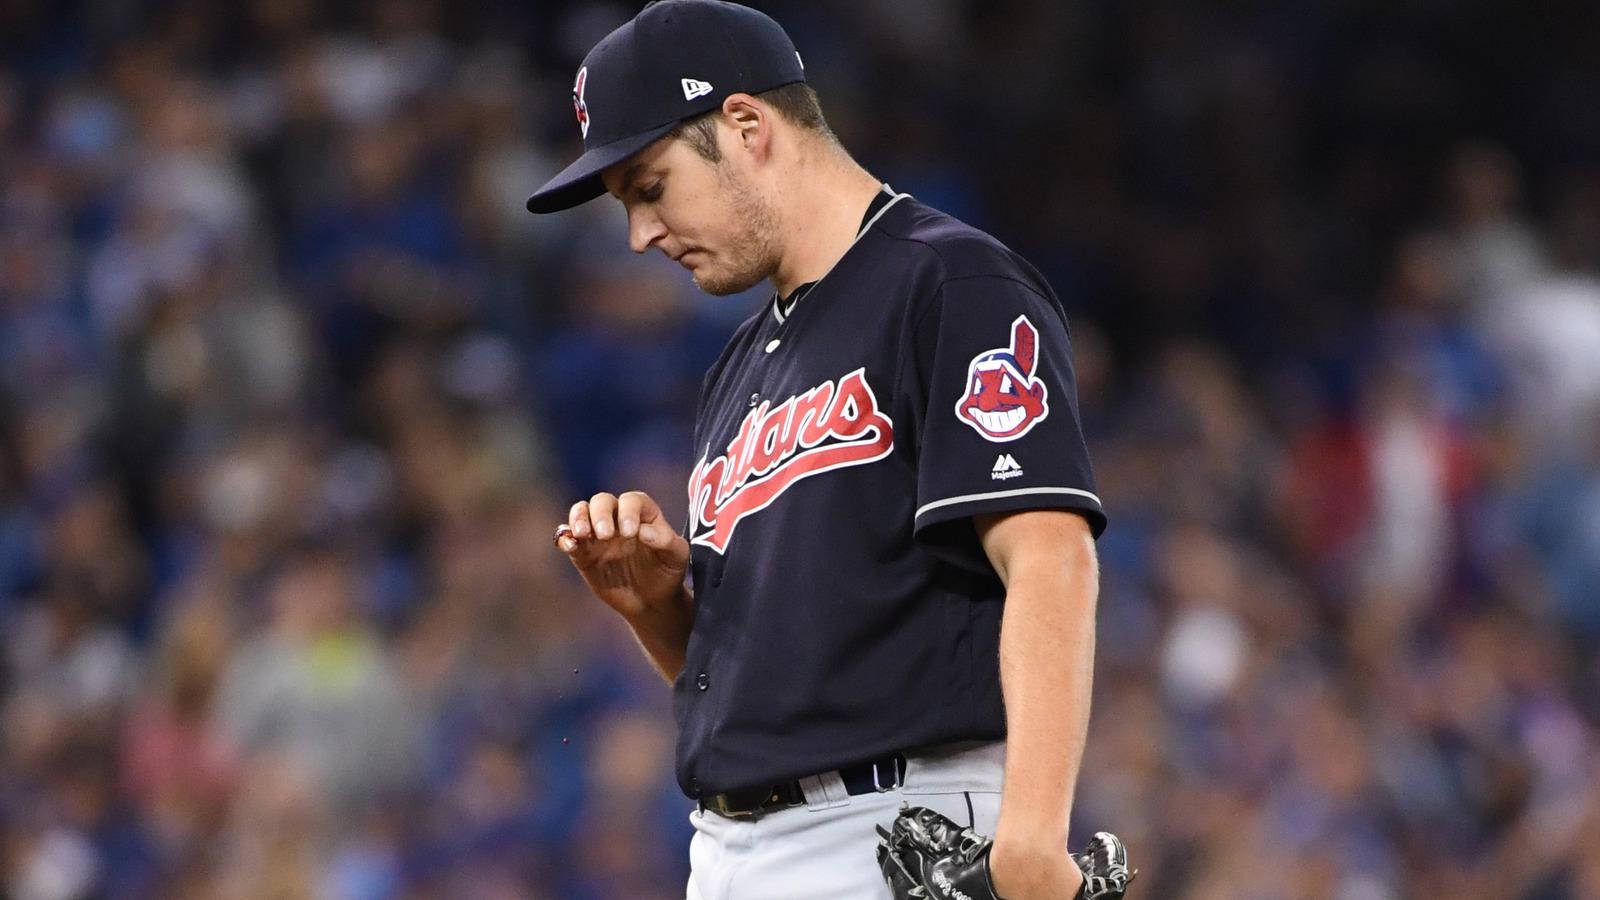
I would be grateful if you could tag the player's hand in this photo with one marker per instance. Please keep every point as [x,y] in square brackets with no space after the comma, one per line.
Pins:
[626,551]
[1033,873]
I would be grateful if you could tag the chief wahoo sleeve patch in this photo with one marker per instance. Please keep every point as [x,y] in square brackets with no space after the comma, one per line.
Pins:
[1003,399]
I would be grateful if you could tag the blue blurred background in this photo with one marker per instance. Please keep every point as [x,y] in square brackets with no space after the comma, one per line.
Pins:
[293,390]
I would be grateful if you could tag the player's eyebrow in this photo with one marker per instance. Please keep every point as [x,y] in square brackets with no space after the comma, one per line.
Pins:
[623,181]
[625,184]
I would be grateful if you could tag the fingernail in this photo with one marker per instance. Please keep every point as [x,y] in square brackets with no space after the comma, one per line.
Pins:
[568,545]
[629,529]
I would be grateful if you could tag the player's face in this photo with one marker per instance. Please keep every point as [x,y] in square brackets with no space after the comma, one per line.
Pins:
[704,216]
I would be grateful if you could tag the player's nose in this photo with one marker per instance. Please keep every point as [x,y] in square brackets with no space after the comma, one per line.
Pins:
[644,229]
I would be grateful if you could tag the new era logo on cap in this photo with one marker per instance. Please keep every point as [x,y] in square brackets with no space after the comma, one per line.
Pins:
[693,88]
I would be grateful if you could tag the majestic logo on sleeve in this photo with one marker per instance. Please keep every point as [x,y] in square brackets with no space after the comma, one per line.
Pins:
[833,425]
[1003,399]
[578,103]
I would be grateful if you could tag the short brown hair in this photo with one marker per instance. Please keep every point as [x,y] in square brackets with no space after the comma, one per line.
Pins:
[796,102]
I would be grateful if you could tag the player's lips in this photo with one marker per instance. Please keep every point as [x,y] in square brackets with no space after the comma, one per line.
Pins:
[999,421]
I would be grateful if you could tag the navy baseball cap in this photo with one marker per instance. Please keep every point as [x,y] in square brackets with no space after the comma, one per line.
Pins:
[672,61]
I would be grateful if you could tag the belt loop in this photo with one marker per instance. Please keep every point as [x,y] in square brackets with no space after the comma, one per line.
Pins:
[897,774]
[824,791]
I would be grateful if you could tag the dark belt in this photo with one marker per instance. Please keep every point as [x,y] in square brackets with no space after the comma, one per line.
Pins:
[876,776]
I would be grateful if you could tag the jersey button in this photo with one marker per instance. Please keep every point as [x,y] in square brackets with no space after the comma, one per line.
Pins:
[754,399]
[702,681]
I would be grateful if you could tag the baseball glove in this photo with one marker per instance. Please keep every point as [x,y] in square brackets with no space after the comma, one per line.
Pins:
[925,856]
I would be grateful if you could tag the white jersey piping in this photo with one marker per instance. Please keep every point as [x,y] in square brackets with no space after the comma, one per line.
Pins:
[777,306]
[1016,492]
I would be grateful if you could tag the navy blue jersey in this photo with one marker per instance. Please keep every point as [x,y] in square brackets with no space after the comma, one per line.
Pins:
[844,608]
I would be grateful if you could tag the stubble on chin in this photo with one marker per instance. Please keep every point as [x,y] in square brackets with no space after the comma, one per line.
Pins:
[752,254]
[732,283]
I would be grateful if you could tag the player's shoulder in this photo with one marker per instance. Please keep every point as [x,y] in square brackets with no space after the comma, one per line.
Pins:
[960,262]
[953,249]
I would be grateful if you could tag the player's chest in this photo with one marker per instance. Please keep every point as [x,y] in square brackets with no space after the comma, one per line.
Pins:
[798,400]
[823,364]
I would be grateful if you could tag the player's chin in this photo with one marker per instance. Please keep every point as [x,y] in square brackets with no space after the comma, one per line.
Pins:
[722,283]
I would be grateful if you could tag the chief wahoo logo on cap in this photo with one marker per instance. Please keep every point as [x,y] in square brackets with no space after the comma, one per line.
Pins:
[578,104]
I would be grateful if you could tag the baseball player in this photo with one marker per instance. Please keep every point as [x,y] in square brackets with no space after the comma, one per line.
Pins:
[888,628]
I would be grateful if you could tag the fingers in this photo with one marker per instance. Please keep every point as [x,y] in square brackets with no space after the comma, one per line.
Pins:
[649,524]
[578,520]
[633,508]
[612,516]
[605,516]
[657,535]
[565,542]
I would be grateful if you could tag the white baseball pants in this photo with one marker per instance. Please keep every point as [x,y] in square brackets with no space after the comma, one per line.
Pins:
[827,848]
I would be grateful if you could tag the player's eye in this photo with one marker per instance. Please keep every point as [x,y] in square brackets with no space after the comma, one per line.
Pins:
[651,194]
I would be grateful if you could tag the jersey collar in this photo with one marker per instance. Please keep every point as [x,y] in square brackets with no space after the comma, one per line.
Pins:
[783,307]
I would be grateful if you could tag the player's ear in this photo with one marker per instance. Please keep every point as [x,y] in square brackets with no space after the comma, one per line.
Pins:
[751,122]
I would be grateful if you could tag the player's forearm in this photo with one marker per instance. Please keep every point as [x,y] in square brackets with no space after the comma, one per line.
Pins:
[663,633]
[1046,670]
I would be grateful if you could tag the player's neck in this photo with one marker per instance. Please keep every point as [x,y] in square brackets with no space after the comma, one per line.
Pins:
[821,219]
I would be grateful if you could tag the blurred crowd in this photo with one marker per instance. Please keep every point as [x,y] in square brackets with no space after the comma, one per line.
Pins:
[293,390]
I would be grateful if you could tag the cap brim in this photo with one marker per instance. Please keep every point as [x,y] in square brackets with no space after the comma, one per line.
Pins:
[580,182]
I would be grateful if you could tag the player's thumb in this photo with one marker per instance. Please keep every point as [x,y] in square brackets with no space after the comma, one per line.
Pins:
[656,534]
